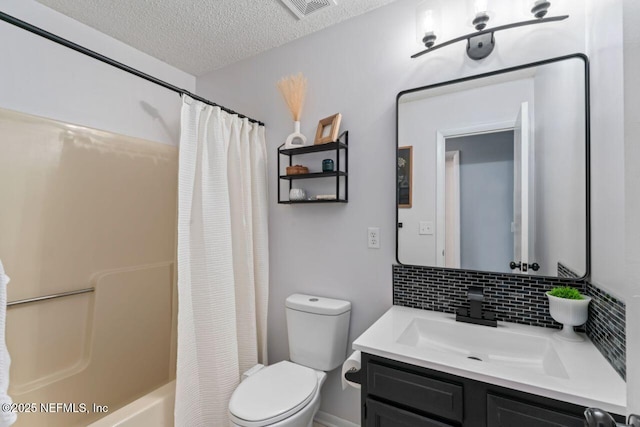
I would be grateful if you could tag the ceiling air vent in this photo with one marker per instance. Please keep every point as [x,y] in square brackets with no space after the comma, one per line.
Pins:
[304,8]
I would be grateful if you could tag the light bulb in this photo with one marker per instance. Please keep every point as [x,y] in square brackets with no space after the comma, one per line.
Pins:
[427,22]
[480,13]
[481,6]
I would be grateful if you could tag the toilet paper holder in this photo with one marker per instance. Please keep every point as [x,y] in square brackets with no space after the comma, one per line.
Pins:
[354,375]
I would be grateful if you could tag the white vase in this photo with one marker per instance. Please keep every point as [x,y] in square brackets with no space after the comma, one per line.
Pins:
[569,312]
[296,139]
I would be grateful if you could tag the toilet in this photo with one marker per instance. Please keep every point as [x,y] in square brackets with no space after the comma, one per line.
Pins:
[287,393]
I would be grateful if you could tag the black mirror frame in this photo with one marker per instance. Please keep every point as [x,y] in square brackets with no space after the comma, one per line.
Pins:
[587,103]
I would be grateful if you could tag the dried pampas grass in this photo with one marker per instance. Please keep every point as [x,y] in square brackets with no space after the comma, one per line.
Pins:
[293,89]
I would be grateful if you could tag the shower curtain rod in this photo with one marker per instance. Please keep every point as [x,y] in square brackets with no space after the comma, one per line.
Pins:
[95,55]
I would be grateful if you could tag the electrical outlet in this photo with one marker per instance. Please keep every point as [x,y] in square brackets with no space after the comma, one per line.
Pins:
[373,235]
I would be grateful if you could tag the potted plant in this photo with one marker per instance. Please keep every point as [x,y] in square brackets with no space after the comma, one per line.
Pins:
[569,307]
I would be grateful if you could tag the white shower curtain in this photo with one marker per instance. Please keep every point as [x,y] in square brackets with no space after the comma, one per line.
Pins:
[222,260]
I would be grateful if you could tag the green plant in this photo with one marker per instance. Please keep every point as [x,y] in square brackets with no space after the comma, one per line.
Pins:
[566,292]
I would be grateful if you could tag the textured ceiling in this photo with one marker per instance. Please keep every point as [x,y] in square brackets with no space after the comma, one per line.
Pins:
[199,36]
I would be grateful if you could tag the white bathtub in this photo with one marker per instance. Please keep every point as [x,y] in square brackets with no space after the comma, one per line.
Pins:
[152,410]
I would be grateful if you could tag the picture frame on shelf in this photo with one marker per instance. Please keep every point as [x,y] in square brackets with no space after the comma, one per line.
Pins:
[405,176]
[328,129]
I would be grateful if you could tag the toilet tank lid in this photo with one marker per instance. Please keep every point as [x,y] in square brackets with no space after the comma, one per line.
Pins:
[317,305]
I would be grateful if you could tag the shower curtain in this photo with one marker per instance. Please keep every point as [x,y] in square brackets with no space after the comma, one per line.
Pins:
[222,260]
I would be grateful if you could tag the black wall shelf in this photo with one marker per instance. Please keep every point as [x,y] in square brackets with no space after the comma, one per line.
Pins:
[313,175]
[341,144]
[318,148]
[295,202]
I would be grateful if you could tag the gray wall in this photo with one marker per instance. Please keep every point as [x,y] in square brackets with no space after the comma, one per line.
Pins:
[486,200]
[357,68]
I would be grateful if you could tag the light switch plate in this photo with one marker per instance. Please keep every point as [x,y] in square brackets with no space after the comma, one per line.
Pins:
[426,228]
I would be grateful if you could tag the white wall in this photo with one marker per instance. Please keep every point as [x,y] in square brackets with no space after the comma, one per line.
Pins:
[419,122]
[357,68]
[604,43]
[559,159]
[42,78]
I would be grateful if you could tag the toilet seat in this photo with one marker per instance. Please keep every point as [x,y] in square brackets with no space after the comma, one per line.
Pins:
[273,394]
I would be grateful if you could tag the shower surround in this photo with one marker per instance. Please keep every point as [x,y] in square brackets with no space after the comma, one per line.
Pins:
[80,209]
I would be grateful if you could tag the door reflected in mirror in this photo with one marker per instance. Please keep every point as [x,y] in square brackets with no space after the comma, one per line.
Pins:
[498,172]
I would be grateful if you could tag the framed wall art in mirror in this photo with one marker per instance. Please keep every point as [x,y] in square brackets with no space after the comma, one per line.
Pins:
[499,171]
[405,176]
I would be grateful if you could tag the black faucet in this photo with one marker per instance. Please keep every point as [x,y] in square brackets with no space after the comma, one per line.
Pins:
[475,314]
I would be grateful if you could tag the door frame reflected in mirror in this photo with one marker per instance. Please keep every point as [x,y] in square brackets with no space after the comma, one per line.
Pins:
[441,140]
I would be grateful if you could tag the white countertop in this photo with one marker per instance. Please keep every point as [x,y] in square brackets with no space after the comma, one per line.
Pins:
[587,378]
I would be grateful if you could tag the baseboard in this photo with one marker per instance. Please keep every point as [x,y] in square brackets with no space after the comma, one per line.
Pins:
[329,420]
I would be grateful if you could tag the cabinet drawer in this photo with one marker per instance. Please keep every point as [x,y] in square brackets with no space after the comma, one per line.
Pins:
[381,415]
[426,394]
[503,412]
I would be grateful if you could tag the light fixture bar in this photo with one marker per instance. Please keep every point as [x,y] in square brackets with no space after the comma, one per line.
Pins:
[490,31]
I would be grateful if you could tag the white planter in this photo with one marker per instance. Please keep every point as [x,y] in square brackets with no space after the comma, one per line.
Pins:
[569,312]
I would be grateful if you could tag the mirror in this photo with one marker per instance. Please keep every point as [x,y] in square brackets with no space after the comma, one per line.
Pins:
[492,171]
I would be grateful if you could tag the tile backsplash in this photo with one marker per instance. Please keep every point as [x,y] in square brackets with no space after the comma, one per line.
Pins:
[566,272]
[607,327]
[514,298]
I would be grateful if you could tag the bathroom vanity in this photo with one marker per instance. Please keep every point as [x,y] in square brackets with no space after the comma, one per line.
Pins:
[422,368]
[491,222]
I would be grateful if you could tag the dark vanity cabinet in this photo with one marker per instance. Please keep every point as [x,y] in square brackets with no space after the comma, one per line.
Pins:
[396,394]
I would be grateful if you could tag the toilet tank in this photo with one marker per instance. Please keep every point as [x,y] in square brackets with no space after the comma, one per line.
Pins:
[318,330]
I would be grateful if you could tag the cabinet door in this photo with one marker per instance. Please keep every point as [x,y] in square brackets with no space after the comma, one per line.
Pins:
[382,415]
[503,412]
[426,394]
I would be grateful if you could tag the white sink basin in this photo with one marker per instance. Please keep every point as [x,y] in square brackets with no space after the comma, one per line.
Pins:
[519,357]
[485,345]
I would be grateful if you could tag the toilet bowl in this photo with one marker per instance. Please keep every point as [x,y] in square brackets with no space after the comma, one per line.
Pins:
[281,395]
[287,393]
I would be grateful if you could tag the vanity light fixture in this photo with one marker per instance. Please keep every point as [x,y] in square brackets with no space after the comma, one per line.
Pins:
[480,43]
